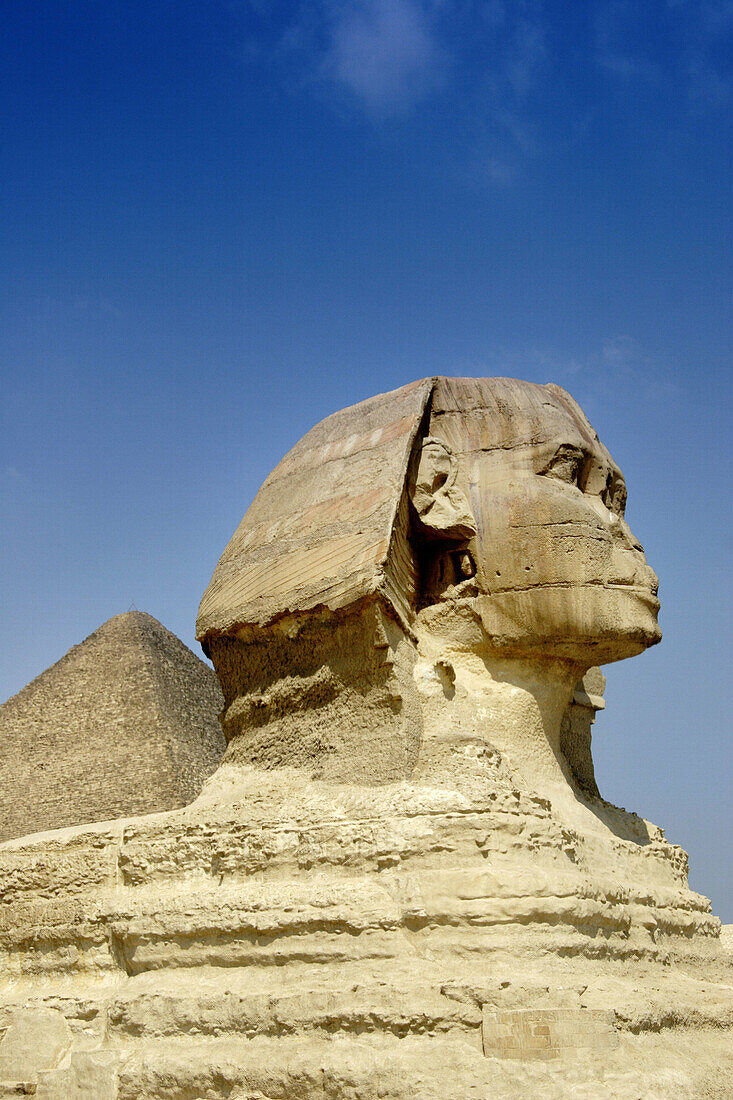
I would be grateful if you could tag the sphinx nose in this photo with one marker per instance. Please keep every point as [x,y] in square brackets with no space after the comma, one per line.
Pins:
[623,533]
[619,528]
[605,515]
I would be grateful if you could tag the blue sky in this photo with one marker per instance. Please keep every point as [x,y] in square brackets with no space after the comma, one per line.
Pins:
[223,220]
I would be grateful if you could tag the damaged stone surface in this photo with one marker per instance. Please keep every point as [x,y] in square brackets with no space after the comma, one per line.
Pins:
[402,880]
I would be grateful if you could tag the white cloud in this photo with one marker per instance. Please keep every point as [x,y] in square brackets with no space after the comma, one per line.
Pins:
[506,100]
[488,58]
[710,69]
[385,52]
[621,351]
[97,304]
[13,485]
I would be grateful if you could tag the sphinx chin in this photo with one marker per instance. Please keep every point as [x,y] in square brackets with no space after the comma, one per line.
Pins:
[628,624]
[585,625]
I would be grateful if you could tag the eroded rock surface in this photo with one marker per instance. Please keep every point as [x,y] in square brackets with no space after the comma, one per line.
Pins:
[402,881]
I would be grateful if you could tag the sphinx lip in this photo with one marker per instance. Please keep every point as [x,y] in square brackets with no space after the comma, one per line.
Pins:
[648,595]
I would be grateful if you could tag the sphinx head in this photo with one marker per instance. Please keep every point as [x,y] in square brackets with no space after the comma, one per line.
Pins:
[485,512]
[550,568]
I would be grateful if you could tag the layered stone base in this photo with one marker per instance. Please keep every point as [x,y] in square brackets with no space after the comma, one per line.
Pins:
[283,938]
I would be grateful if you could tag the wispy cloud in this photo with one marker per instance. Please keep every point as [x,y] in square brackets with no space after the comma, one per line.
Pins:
[388,58]
[618,362]
[710,61]
[525,56]
[620,44]
[503,104]
[98,304]
[13,484]
[623,365]
[685,46]
[490,73]
[386,53]
[492,171]
[383,56]
[622,352]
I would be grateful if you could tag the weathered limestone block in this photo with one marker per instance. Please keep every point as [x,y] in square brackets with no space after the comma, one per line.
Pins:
[31,1040]
[576,732]
[90,1075]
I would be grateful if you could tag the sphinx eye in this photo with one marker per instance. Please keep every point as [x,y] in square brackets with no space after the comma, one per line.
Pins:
[614,495]
[567,464]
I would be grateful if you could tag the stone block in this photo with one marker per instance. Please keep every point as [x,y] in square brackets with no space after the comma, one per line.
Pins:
[35,1039]
[533,1034]
[90,1076]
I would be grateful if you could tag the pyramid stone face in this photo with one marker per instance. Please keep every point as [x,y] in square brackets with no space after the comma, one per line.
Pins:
[124,724]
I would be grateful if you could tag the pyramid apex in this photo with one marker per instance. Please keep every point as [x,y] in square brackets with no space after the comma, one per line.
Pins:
[132,616]
[126,722]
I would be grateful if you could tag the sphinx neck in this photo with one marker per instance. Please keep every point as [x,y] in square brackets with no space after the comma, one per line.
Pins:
[526,702]
[516,705]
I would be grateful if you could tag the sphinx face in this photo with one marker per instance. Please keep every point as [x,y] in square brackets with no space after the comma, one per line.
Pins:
[558,571]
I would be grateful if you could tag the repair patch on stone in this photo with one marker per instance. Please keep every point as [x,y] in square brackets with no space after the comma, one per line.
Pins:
[541,1034]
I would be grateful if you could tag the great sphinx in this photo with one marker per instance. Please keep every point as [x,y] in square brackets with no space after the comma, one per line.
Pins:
[402,881]
[456,545]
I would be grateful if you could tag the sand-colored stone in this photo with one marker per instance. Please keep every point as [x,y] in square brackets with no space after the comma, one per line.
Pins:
[402,881]
[541,1034]
[125,723]
[33,1040]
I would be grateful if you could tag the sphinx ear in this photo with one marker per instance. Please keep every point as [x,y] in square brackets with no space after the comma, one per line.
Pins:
[442,509]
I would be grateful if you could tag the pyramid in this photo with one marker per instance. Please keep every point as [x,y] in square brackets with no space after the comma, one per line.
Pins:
[124,724]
